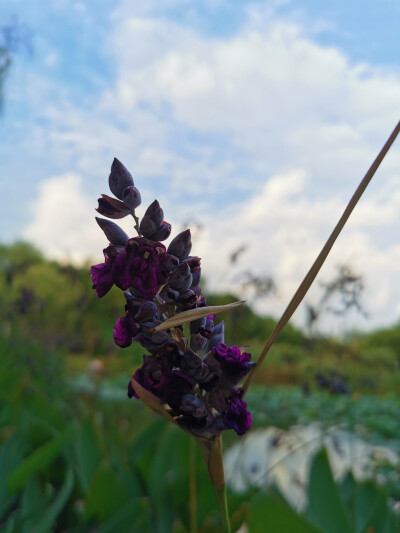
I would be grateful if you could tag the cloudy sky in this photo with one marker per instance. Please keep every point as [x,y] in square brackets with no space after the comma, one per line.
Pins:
[254,120]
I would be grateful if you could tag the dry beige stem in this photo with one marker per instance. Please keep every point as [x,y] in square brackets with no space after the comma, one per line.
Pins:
[312,273]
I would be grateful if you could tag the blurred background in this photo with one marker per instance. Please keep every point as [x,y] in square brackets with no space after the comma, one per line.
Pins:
[252,123]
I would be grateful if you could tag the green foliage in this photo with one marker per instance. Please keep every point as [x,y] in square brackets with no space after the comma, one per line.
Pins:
[77,455]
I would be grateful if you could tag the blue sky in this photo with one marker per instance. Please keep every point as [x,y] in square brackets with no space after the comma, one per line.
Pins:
[255,119]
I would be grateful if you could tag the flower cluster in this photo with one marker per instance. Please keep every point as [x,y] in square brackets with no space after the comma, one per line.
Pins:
[197,378]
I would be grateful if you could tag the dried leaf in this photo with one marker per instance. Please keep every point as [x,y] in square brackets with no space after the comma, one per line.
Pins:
[211,450]
[194,314]
[152,401]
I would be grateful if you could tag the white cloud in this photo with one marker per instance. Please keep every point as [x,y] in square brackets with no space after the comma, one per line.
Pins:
[286,125]
[282,229]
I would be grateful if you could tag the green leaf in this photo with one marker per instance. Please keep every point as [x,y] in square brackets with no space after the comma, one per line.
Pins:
[38,460]
[325,507]
[269,514]
[105,495]
[32,501]
[11,454]
[366,497]
[134,516]
[87,451]
[55,508]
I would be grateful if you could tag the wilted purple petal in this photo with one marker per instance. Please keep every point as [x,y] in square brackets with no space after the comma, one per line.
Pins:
[112,208]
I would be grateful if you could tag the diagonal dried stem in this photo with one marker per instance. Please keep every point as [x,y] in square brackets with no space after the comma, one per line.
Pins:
[312,273]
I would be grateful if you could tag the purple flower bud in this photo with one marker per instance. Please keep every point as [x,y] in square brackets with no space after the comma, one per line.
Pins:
[168,294]
[158,337]
[119,179]
[155,213]
[181,245]
[217,335]
[141,310]
[147,227]
[131,197]
[181,278]
[170,356]
[188,299]
[197,342]
[210,322]
[148,375]
[196,325]
[114,233]
[171,262]
[193,405]
[162,233]
[112,208]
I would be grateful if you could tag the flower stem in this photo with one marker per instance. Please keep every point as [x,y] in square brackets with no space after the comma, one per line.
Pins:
[193,488]
[136,223]
[223,508]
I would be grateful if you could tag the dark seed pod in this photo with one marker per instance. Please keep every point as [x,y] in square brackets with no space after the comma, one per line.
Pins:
[119,179]
[114,233]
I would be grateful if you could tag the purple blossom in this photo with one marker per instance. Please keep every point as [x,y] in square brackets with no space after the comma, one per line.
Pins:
[148,375]
[141,267]
[234,363]
[102,274]
[237,417]
[124,331]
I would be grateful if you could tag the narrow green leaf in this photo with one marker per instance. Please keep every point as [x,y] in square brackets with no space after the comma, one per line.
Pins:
[38,460]
[87,452]
[366,497]
[325,507]
[11,454]
[134,516]
[55,508]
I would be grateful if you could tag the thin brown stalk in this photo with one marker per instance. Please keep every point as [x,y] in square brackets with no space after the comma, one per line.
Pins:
[312,273]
